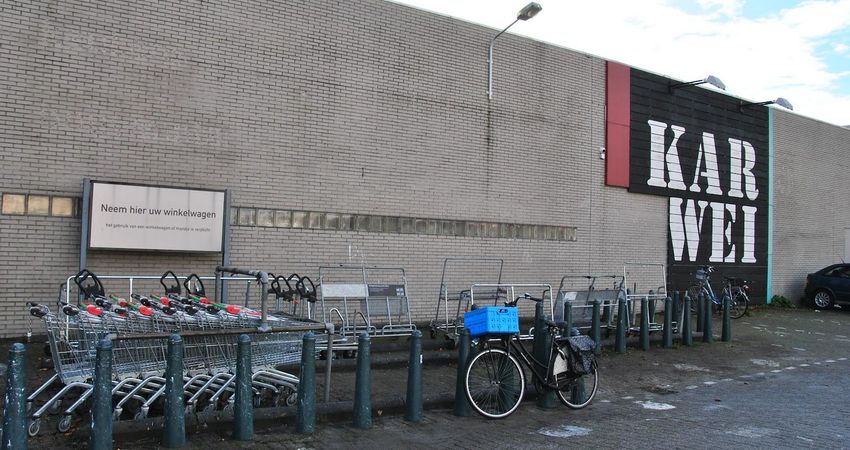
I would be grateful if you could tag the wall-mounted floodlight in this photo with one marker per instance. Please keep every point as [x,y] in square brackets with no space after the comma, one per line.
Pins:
[711,79]
[781,101]
[530,10]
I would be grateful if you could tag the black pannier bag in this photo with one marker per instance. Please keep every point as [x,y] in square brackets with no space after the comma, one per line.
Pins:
[581,354]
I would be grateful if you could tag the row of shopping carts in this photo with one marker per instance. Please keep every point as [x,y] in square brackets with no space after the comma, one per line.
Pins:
[139,326]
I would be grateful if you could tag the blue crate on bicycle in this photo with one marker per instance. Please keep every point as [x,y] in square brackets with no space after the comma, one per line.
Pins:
[492,320]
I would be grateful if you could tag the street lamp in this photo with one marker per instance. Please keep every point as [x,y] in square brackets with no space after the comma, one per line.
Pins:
[530,10]
[783,102]
[711,79]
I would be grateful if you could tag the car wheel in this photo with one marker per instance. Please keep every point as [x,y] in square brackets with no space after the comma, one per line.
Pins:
[823,300]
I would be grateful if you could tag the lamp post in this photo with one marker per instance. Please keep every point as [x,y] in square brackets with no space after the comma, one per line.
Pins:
[530,10]
[783,102]
[711,79]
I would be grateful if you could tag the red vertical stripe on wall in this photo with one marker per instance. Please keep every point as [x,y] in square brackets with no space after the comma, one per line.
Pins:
[618,100]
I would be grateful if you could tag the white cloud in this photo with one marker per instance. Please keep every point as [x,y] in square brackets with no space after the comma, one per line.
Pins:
[758,59]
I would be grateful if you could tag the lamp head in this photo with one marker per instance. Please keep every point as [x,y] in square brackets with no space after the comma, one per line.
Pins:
[530,10]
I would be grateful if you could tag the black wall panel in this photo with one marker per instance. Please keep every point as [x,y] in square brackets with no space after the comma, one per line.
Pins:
[729,221]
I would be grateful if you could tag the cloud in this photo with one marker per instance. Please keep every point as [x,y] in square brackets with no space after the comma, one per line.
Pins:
[758,58]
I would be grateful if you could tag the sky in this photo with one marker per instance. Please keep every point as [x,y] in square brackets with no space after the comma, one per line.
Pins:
[760,49]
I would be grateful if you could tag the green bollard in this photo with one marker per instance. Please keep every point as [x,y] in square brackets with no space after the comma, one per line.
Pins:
[363,384]
[687,336]
[644,324]
[726,333]
[413,412]
[175,418]
[540,347]
[595,328]
[677,298]
[243,412]
[577,395]
[462,406]
[620,341]
[15,406]
[706,327]
[100,433]
[700,311]
[305,414]
[667,337]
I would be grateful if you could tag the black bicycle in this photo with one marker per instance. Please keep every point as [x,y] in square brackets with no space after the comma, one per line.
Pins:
[495,380]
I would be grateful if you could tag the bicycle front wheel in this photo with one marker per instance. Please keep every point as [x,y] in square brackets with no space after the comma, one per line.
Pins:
[693,292]
[577,392]
[739,305]
[495,383]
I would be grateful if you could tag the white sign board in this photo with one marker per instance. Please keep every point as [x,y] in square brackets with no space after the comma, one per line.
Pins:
[137,217]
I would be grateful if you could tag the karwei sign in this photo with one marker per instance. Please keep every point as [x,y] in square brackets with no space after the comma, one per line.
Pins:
[136,217]
[710,159]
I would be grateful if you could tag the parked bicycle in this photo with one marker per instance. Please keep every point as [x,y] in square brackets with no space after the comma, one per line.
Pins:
[495,380]
[735,288]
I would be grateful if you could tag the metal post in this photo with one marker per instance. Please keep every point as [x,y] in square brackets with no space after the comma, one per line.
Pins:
[667,337]
[413,412]
[541,346]
[726,333]
[363,384]
[329,352]
[687,336]
[175,420]
[15,407]
[644,324]
[305,416]
[620,340]
[221,295]
[100,434]
[84,226]
[243,415]
[706,327]
[462,407]
[595,328]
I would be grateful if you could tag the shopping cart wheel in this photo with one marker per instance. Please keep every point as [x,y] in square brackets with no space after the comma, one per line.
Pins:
[228,408]
[34,427]
[116,414]
[292,399]
[209,409]
[140,414]
[64,424]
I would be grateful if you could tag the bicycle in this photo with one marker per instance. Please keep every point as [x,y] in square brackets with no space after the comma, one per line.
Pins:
[735,288]
[495,381]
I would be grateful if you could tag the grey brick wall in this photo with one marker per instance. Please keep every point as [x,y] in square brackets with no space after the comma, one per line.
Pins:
[810,195]
[358,106]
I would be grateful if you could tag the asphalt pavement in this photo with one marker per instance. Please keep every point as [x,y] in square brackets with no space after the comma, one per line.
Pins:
[780,383]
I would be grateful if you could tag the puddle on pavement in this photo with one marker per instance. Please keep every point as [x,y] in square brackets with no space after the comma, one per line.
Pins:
[564,431]
[753,432]
[655,405]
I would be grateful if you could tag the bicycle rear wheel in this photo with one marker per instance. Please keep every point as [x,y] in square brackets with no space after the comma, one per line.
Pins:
[577,392]
[495,383]
[739,305]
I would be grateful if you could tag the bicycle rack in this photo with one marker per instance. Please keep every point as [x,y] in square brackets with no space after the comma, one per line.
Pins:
[646,281]
[367,299]
[459,273]
[581,290]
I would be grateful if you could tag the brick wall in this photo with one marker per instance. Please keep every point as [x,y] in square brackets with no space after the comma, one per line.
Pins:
[352,107]
[810,195]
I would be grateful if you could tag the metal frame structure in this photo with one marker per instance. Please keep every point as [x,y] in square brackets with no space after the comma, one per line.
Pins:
[450,325]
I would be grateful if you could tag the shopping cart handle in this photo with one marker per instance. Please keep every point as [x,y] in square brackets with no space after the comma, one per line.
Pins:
[38,310]
[70,310]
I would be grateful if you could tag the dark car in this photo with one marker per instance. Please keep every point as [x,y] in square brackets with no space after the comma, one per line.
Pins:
[829,286]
